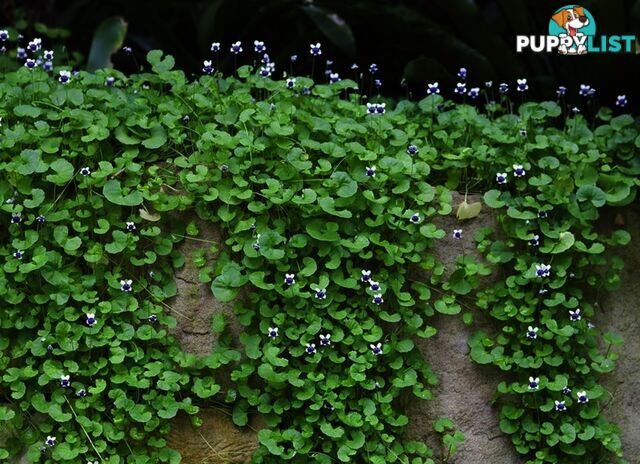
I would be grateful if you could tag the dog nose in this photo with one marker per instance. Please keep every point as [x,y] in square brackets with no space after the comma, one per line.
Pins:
[583,19]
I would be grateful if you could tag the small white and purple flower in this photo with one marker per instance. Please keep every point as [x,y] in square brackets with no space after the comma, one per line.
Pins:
[532,332]
[126,285]
[543,270]
[91,319]
[461,88]
[34,45]
[65,381]
[130,226]
[272,332]
[376,349]
[291,82]
[374,286]
[462,73]
[18,254]
[366,276]
[30,64]
[575,315]
[621,101]
[373,68]
[236,47]
[474,92]
[16,218]
[560,406]
[534,383]
[433,88]
[412,149]
[535,241]
[334,77]
[371,171]
[415,218]
[259,46]
[310,348]
[85,171]
[325,340]
[562,90]
[265,71]
[457,234]
[81,393]
[501,178]
[41,219]
[566,391]
[522,85]
[321,294]
[64,77]
[289,279]
[4,35]
[523,132]
[215,47]
[503,87]
[109,81]
[582,397]
[584,90]
[50,441]
[377,299]
[207,68]
[518,170]
[315,49]
[153,318]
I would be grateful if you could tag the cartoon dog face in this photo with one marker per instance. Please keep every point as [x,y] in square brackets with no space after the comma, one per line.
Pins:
[571,19]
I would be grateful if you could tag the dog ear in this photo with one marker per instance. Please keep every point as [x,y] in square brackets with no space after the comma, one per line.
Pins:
[579,10]
[560,18]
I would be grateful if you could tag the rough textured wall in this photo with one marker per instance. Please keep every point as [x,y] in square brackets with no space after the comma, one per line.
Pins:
[465,389]
[194,305]
[218,441]
[620,313]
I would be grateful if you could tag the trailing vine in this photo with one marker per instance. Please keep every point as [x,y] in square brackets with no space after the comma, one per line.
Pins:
[326,204]
[552,257]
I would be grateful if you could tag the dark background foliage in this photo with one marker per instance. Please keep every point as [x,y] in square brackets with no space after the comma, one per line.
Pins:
[412,41]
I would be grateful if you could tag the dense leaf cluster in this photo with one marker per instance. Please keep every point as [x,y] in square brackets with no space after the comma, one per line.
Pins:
[285,174]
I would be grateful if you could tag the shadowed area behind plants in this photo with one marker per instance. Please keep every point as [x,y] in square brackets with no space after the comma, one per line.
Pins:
[413,41]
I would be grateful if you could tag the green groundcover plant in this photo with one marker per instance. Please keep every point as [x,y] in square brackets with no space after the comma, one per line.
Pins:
[326,205]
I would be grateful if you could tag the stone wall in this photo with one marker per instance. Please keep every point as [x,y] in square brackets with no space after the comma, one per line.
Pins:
[465,389]
[620,313]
